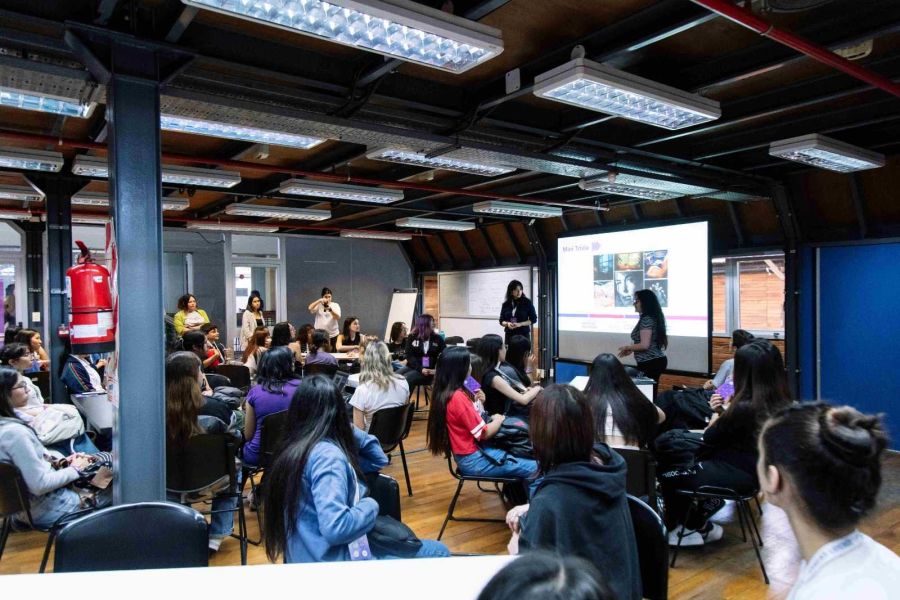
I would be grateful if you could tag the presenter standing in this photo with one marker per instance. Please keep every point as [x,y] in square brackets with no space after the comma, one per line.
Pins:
[517,313]
[328,315]
[648,336]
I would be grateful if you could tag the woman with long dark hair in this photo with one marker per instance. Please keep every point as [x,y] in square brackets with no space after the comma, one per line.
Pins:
[502,387]
[349,338]
[397,342]
[730,440]
[40,361]
[620,409]
[822,466]
[259,343]
[456,424]
[252,319]
[423,347]
[517,314]
[275,385]
[315,503]
[304,338]
[520,358]
[648,336]
[328,315]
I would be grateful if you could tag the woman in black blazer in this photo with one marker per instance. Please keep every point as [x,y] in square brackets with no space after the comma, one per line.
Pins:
[423,346]
[517,314]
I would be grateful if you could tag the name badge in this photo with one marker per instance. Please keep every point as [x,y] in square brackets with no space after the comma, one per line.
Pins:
[513,320]
[359,549]
[426,362]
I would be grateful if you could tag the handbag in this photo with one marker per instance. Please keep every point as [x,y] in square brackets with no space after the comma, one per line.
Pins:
[390,537]
[514,437]
[57,423]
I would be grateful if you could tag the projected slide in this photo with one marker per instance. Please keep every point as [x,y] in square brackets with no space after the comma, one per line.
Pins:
[599,274]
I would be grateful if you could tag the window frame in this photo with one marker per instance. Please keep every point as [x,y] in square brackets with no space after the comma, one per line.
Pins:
[733,295]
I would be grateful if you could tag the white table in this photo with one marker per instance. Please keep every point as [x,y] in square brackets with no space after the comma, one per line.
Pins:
[459,578]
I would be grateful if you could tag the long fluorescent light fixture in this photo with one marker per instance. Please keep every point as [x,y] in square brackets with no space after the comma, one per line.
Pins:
[423,223]
[102,199]
[31,160]
[826,153]
[90,166]
[420,159]
[57,105]
[375,235]
[237,132]
[605,89]
[622,185]
[248,209]
[339,191]
[226,226]
[23,193]
[14,215]
[84,219]
[396,28]
[515,209]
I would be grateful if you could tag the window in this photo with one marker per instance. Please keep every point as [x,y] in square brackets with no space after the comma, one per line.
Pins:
[748,293]
[720,322]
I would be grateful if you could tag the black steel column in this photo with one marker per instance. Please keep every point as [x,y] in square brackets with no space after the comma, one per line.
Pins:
[59,259]
[785,211]
[34,270]
[546,320]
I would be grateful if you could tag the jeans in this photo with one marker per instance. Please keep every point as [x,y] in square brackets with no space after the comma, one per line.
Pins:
[478,464]
[429,549]
[82,443]
[47,509]
[221,524]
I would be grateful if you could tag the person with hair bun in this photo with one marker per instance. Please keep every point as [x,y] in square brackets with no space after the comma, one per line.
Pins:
[739,339]
[822,466]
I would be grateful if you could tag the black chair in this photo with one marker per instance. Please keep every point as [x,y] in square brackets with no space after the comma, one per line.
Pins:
[42,380]
[147,535]
[14,501]
[472,344]
[320,369]
[273,427]
[391,426]
[744,512]
[386,492]
[640,479]
[453,340]
[205,470]
[216,381]
[497,481]
[652,547]
[238,374]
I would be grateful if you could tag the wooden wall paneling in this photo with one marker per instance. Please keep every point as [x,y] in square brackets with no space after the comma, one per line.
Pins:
[474,244]
[431,299]
[514,246]
[502,243]
[522,242]
[489,245]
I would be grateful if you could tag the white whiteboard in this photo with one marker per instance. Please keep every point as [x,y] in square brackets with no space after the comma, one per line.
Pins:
[478,294]
[403,308]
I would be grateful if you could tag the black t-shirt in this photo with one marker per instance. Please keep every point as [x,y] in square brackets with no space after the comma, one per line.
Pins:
[494,401]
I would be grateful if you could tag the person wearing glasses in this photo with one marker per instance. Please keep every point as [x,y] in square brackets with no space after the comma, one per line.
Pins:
[648,337]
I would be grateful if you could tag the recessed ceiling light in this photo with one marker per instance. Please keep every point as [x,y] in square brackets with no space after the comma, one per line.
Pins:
[826,153]
[420,159]
[340,191]
[515,209]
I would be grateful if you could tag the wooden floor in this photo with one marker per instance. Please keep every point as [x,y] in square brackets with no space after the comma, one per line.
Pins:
[727,569]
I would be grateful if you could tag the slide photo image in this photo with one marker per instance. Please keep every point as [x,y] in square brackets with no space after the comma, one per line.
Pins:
[628,283]
[628,261]
[603,267]
[604,294]
[660,287]
[656,264]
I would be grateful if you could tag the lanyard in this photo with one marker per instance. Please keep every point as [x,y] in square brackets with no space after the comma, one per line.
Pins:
[359,548]
[829,552]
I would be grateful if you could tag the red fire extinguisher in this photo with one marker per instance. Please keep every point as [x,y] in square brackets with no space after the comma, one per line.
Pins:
[91,328]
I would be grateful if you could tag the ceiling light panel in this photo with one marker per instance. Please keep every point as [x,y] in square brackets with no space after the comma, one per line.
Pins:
[226,226]
[396,28]
[826,153]
[31,160]
[89,166]
[442,224]
[340,191]
[97,219]
[248,209]
[420,159]
[22,193]
[605,89]
[515,209]
[14,215]
[102,199]
[67,107]
[641,186]
[237,132]
[375,235]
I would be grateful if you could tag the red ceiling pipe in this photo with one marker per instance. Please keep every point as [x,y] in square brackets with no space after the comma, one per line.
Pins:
[744,17]
[248,166]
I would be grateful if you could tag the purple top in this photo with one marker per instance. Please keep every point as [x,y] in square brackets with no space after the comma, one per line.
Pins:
[265,403]
[320,358]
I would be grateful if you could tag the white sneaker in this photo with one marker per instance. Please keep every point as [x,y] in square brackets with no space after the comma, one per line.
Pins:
[215,541]
[711,533]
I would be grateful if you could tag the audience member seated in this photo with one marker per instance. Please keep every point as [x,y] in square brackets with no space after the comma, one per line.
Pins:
[397,342]
[739,339]
[275,385]
[504,392]
[252,319]
[423,347]
[284,334]
[520,361]
[319,353]
[455,423]
[304,339]
[18,357]
[379,387]
[209,405]
[48,483]
[40,361]
[728,458]
[254,350]
[189,317]
[620,409]
[349,338]
[215,351]
[324,514]
[77,373]
[822,465]
[184,419]
[547,576]
[580,506]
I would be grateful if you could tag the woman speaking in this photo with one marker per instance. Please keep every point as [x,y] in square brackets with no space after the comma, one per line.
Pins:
[328,315]
[649,336]
[517,314]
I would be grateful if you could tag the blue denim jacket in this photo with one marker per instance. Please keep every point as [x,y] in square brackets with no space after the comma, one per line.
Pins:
[328,519]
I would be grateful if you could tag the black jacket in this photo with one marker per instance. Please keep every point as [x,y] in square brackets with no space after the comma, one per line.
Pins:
[523,310]
[415,351]
[580,508]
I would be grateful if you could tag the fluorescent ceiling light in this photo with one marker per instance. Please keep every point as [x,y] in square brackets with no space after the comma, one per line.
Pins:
[396,28]
[102,199]
[226,226]
[237,132]
[248,209]
[422,223]
[20,192]
[605,89]
[375,235]
[340,191]
[408,157]
[68,107]
[97,219]
[91,166]
[495,207]
[641,186]
[31,160]
[826,153]
[14,215]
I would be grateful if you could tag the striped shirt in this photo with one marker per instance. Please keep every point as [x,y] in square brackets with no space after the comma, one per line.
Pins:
[654,351]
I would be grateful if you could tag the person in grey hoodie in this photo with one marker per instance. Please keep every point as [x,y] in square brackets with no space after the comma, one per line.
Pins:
[580,507]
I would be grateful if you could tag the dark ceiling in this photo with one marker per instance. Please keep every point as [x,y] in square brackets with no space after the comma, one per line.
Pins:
[767,92]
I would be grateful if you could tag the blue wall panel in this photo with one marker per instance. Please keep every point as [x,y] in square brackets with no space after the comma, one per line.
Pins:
[567,371]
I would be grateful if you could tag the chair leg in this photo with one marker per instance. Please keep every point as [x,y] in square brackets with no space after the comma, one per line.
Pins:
[687,517]
[746,506]
[4,533]
[51,536]
[450,508]
[754,525]
[405,469]
[242,529]
[740,514]
[758,505]
[254,489]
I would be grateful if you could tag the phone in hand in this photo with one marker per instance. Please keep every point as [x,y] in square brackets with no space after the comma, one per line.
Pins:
[472,385]
[726,390]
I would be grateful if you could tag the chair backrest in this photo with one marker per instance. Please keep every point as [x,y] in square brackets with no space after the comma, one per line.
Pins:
[147,535]
[320,368]
[454,339]
[386,492]
[216,380]
[389,424]
[640,479]
[273,428]
[238,374]
[203,461]
[340,379]
[653,549]
[13,493]
[42,380]
[472,343]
